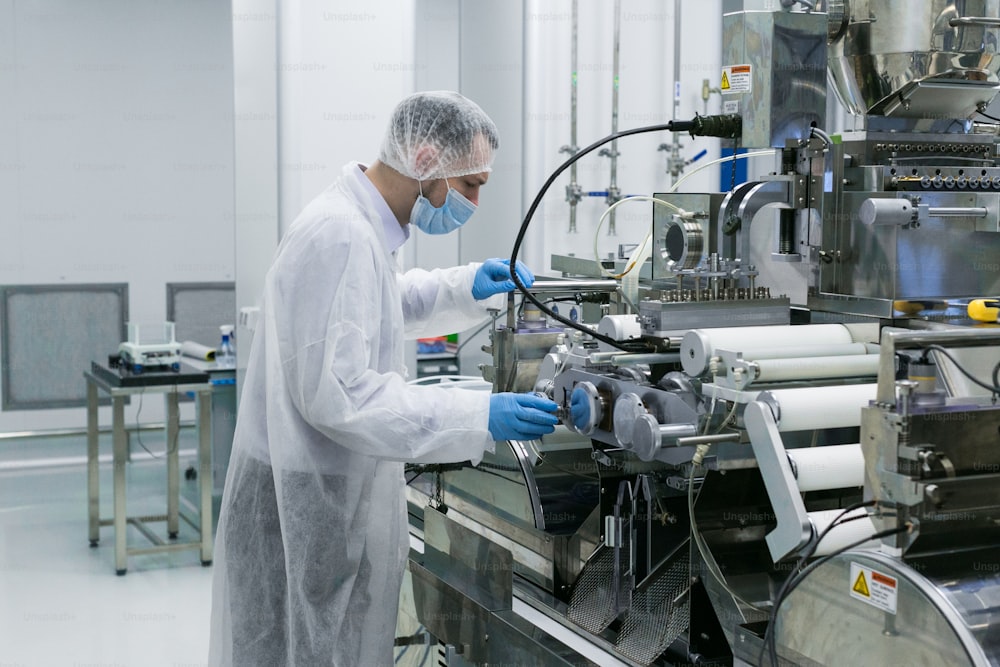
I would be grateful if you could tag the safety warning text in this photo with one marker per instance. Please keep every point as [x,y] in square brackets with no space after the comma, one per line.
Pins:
[871,586]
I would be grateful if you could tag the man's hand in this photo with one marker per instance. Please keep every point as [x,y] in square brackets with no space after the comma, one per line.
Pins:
[521,416]
[493,277]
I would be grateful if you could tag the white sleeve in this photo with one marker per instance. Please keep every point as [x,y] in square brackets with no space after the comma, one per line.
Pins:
[330,319]
[440,301]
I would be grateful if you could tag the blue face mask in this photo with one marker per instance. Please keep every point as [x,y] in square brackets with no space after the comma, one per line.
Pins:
[455,212]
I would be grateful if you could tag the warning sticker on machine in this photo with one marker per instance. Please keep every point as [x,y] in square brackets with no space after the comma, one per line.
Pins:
[877,589]
[736,79]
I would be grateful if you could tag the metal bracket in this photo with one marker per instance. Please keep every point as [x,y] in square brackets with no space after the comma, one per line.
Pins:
[794,528]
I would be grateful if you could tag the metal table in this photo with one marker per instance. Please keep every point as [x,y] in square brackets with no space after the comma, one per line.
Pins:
[119,384]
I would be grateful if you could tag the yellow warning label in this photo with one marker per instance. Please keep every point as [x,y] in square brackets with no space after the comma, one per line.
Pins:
[736,79]
[872,587]
[861,586]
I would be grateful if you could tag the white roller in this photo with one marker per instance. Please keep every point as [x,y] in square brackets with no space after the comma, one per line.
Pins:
[822,407]
[699,345]
[845,533]
[829,467]
[620,328]
[805,368]
[790,351]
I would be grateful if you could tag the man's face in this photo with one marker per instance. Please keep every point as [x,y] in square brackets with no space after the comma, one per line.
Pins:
[467,186]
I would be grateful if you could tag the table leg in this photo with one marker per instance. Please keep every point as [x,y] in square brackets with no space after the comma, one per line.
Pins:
[204,405]
[119,459]
[173,472]
[93,471]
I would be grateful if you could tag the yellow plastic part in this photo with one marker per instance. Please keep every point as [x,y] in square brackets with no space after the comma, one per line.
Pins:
[984,310]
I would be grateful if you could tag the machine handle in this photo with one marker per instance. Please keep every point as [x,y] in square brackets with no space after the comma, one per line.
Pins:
[975,20]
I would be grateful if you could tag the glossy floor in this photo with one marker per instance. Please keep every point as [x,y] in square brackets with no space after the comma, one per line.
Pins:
[61,603]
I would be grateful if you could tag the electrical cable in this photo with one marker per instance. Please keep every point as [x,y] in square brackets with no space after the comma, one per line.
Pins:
[728,158]
[717,126]
[138,431]
[680,211]
[703,550]
[822,135]
[986,115]
[994,388]
[477,331]
[670,127]
[792,582]
[647,239]
[729,416]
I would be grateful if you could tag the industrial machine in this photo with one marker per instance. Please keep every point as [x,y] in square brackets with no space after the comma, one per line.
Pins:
[738,479]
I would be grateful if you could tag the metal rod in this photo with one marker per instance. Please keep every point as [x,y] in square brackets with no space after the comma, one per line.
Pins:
[572,116]
[74,431]
[574,286]
[633,359]
[676,166]
[613,192]
[956,212]
[707,439]
[975,20]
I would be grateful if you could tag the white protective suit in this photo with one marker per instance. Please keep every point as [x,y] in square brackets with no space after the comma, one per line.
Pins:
[312,537]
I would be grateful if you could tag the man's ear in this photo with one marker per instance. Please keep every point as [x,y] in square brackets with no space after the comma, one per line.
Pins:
[424,160]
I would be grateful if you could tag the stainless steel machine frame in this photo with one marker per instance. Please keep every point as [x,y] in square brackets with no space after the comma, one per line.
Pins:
[699,490]
[120,519]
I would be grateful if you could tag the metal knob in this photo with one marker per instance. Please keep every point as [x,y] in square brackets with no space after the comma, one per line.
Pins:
[628,408]
[648,435]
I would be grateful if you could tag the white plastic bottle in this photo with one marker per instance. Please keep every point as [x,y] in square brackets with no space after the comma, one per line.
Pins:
[225,356]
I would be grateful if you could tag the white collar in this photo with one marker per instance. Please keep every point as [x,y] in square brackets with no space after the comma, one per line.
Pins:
[395,234]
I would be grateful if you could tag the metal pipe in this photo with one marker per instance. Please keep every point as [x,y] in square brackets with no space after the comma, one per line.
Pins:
[612,152]
[76,431]
[574,285]
[635,359]
[676,164]
[573,190]
[956,212]
[693,440]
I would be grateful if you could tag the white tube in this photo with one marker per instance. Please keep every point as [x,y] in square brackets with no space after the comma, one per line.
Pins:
[189,348]
[829,467]
[845,533]
[832,350]
[805,368]
[699,345]
[822,407]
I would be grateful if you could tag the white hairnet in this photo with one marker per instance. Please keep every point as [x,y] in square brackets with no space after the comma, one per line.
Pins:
[463,138]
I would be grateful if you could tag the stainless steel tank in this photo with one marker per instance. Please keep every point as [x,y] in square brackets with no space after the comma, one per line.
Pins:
[914,59]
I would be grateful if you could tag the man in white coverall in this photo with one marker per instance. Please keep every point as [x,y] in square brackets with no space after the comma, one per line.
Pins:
[312,537]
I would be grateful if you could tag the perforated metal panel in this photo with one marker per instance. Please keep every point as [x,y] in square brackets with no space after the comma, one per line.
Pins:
[199,309]
[598,594]
[658,615]
[51,334]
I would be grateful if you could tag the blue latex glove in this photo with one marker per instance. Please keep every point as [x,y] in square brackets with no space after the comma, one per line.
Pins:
[579,408]
[521,416]
[493,277]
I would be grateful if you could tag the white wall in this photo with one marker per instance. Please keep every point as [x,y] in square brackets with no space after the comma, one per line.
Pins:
[121,121]
[645,98]
[116,152]
[533,69]
[342,68]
